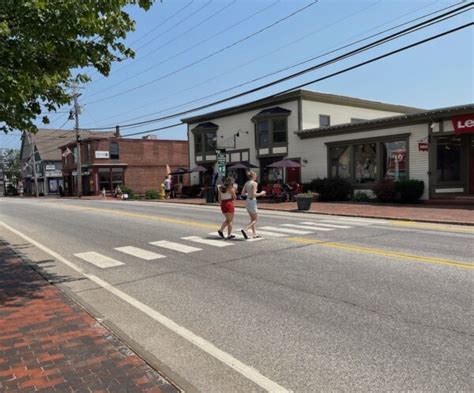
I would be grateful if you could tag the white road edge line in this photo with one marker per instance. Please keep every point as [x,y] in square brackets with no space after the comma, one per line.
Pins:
[248,372]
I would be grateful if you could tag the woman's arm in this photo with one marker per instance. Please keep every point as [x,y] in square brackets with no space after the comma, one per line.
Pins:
[233,194]
[219,197]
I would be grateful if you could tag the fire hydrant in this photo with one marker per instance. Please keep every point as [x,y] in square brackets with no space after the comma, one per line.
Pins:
[162,191]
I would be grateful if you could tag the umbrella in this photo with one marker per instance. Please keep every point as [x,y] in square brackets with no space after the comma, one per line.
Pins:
[198,168]
[286,163]
[179,171]
[243,165]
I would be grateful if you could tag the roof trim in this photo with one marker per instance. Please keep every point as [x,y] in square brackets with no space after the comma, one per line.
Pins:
[433,115]
[296,95]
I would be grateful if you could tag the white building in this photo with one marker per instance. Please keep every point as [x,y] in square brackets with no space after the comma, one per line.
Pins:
[262,131]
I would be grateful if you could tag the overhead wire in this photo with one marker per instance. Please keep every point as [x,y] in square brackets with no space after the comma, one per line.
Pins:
[391,37]
[209,55]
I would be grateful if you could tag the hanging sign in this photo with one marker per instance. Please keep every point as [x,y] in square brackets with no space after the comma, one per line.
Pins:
[422,146]
[463,124]
[102,154]
[221,162]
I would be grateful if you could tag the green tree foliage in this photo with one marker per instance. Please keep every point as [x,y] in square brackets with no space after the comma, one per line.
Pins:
[43,42]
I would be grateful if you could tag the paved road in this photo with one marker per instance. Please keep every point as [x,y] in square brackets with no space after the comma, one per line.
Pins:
[321,303]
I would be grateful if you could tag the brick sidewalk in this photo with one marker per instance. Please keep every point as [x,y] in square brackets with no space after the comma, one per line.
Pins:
[422,213]
[49,343]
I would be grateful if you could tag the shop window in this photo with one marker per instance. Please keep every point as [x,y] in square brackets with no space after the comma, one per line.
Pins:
[211,141]
[324,120]
[114,150]
[365,159]
[104,179]
[198,143]
[394,160]
[340,161]
[263,133]
[448,159]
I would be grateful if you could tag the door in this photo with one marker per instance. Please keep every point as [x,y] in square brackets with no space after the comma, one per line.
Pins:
[471,166]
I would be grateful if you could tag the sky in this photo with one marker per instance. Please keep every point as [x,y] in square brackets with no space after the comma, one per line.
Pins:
[187,50]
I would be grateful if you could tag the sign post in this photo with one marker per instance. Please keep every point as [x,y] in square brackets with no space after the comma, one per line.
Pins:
[221,162]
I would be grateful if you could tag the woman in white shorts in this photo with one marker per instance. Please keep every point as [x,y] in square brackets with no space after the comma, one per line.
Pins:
[250,191]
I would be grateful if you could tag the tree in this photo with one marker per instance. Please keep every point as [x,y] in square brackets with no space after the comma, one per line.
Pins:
[11,164]
[43,42]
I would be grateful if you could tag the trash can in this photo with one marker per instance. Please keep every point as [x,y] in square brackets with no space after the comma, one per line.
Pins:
[210,195]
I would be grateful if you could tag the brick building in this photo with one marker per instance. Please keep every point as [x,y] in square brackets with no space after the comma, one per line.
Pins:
[139,164]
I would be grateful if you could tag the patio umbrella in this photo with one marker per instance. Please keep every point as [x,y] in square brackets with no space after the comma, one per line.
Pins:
[285,163]
[243,165]
[179,171]
[198,168]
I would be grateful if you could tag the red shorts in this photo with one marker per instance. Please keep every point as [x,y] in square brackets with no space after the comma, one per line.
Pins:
[227,206]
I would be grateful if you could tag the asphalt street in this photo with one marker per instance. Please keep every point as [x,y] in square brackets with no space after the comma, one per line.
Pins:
[321,303]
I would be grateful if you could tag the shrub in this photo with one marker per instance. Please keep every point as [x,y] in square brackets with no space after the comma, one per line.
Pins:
[331,189]
[409,191]
[152,194]
[360,196]
[385,190]
[129,191]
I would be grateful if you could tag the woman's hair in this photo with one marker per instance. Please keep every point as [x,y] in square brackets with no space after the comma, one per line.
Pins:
[228,182]
[251,174]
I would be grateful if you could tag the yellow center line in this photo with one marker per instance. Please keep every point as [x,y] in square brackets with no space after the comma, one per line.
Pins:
[385,253]
[434,227]
[301,240]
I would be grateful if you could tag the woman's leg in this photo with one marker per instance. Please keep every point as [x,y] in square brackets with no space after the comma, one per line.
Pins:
[254,224]
[251,224]
[229,218]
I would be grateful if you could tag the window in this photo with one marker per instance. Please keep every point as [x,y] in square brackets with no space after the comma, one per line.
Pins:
[263,133]
[324,120]
[340,162]
[448,159]
[365,158]
[394,160]
[211,141]
[279,130]
[114,150]
[198,143]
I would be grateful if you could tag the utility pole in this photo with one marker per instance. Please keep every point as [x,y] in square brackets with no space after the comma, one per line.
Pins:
[78,144]
[33,154]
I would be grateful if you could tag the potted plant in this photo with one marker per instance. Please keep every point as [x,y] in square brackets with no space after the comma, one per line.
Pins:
[304,200]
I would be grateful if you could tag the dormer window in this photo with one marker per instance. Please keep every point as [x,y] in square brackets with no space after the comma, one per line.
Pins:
[271,127]
[205,141]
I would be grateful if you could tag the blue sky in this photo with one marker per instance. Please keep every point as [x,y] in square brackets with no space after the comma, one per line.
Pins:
[170,37]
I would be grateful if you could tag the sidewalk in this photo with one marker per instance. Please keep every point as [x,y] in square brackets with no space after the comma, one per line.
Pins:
[49,343]
[422,213]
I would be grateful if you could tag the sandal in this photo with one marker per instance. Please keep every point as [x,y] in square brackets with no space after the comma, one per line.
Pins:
[230,237]
[221,234]
[244,234]
[257,237]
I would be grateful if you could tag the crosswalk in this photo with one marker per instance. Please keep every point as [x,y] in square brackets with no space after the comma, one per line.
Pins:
[193,244]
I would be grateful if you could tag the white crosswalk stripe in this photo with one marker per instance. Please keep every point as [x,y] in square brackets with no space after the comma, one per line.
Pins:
[98,260]
[311,228]
[267,233]
[140,253]
[209,242]
[175,246]
[287,230]
[321,224]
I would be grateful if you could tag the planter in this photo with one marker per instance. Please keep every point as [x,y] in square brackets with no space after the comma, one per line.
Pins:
[304,202]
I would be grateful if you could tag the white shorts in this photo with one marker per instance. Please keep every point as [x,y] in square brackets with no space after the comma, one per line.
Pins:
[251,205]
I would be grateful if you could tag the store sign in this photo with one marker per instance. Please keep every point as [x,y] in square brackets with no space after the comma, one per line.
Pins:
[102,154]
[463,124]
[422,146]
[54,174]
[221,162]
[50,167]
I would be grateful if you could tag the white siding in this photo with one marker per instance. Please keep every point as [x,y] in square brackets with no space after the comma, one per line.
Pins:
[315,152]
[339,113]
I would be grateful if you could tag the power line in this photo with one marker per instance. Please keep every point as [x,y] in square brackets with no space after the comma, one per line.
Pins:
[320,54]
[210,55]
[381,41]
[374,59]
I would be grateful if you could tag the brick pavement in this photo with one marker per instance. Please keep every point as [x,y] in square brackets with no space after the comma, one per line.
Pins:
[49,343]
[422,213]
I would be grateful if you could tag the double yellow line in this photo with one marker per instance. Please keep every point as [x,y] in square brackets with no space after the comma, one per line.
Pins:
[300,240]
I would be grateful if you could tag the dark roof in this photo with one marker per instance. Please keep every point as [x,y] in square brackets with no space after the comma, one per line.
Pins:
[387,122]
[273,110]
[306,95]
[207,124]
[48,141]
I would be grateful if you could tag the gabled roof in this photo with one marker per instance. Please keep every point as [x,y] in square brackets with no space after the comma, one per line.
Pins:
[305,95]
[273,111]
[433,115]
[48,141]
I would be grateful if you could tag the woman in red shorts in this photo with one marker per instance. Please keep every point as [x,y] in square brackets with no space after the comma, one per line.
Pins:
[226,199]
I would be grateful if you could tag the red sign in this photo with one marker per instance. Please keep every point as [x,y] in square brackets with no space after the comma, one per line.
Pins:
[463,124]
[422,146]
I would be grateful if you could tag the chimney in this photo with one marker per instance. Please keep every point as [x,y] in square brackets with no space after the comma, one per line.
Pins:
[117,131]
[151,137]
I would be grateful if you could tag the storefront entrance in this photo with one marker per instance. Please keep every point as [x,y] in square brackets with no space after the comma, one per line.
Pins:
[471,166]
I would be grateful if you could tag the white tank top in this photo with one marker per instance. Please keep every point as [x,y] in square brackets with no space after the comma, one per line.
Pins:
[226,195]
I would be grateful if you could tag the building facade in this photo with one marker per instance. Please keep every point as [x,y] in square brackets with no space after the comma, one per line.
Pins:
[263,131]
[138,164]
